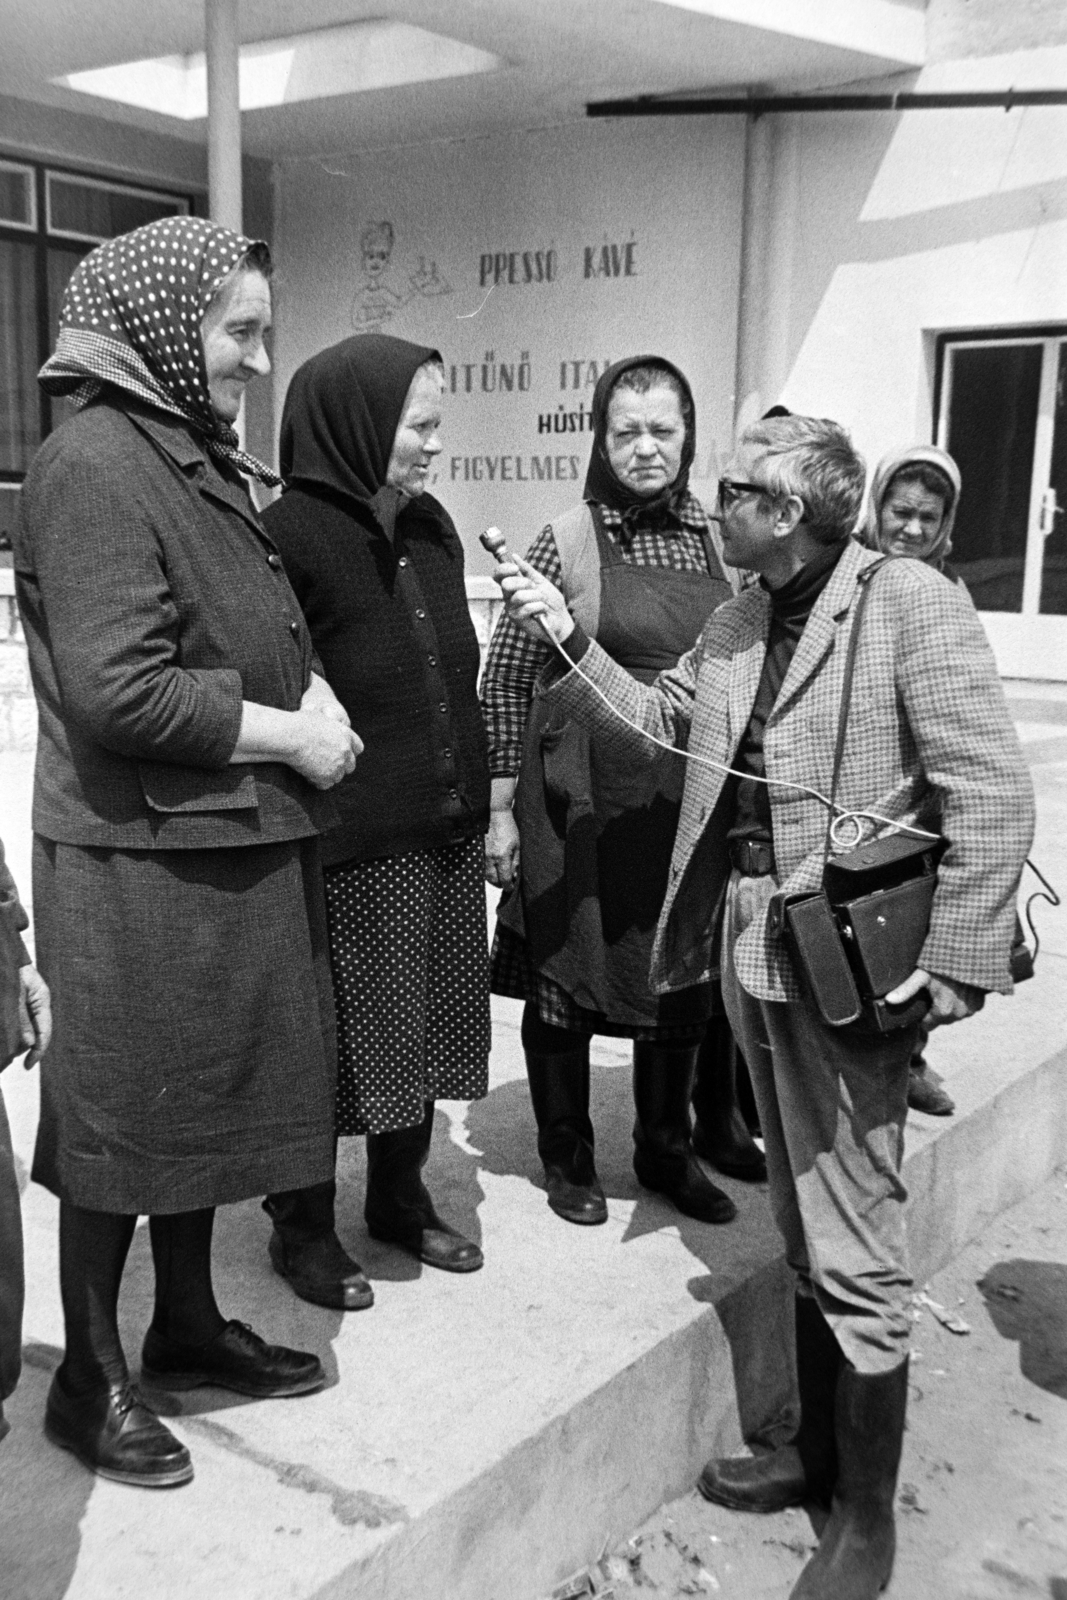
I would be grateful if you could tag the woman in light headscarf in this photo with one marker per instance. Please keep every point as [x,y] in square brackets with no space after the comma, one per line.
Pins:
[184,743]
[911,504]
[911,508]
[585,855]
[378,567]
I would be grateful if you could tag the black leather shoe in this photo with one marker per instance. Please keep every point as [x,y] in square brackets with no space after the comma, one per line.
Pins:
[437,1245]
[114,1434]
[583,1203]
[320,1270]
[236,1359]
[756,1483]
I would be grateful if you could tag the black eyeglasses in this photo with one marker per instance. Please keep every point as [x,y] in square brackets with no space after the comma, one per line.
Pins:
[730,491]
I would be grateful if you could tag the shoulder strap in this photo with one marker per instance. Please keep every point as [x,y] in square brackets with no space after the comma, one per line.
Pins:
[863,582]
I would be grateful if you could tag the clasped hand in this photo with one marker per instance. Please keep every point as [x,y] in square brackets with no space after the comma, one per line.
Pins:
[327,746]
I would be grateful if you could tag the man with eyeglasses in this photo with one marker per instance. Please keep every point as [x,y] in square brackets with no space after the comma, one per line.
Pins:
[930,743]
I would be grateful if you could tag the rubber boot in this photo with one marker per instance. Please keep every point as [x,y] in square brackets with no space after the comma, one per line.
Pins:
[305,1250]
[559,1091]
[802,1471]
[399,1209]
[720,1135]
[663,1152]
[854,1560]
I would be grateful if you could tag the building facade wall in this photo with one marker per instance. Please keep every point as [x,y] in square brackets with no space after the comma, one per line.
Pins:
[531,262]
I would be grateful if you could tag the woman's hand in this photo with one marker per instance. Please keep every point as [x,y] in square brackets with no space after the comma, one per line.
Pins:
[318,696]
[35,1014]
[323,750]
[532,602]
[502,849]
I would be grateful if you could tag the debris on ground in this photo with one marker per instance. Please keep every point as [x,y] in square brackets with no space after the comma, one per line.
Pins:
[947,1319]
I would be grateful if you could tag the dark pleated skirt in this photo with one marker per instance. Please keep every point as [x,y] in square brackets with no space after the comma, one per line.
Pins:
[194,1056]
[409,950]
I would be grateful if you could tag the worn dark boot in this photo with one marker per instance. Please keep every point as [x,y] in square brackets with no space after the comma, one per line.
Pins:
[305,1250]
[803,1470]
[719,1131]
[854,1560]
[399,1209]
[663,1152]
[559,1091]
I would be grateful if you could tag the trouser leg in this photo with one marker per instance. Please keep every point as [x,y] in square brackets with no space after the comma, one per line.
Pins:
[805,1469]
[664,1159]
[12,1272]
[832,1107]
[720,1134]
[557,1069]
[186,1310]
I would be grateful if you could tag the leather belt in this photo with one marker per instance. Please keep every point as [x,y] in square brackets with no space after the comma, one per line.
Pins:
[753,858]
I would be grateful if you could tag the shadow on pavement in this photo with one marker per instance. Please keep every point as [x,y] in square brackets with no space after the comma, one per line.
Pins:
[1027,1301]
[38,1559]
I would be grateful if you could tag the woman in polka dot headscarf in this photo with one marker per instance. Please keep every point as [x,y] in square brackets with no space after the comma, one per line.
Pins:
[184,745]
[132,318]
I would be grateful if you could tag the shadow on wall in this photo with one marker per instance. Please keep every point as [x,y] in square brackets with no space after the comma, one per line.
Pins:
[832,232]
[1027,1301]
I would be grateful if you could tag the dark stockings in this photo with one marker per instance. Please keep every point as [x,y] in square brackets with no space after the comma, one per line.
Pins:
[93,1246]
[186,1310]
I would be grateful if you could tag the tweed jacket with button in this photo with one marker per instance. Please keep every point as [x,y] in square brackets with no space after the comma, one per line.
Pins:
[153,603]
[930,741]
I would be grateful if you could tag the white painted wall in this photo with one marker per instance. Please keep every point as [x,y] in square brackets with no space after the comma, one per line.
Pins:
[665,199]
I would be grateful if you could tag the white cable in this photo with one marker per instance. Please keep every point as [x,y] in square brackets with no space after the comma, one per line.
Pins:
[855,818]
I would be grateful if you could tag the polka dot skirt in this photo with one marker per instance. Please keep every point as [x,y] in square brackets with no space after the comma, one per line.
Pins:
[408,950]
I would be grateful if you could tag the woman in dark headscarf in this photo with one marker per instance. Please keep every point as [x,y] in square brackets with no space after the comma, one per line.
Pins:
[378,568]
[184,741]
[586,851]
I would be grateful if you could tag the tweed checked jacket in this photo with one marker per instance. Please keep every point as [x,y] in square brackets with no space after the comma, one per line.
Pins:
[930,741]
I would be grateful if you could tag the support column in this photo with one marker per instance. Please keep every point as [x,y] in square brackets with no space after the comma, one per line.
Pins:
[223,114]
[755,255]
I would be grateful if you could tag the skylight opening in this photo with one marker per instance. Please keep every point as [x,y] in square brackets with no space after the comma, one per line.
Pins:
[351,59]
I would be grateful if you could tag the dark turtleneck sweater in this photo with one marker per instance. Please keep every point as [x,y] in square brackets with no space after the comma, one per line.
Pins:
[791,606]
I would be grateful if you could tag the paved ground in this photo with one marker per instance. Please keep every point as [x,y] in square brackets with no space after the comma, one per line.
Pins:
[476,1440]
[982,1504]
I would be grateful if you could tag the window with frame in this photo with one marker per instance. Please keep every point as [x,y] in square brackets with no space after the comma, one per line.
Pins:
[1001,410]
[49,219]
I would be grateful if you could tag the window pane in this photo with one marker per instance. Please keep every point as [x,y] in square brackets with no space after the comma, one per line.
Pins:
[1054,564]
[20,411]
[98,211]
[992,424]
[16,195]
[9,500]
[61,263]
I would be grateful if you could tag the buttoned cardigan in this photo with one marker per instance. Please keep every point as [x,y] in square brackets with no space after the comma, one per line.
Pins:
[390,623]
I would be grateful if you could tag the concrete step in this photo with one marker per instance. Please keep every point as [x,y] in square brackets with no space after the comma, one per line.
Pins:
[482,1437]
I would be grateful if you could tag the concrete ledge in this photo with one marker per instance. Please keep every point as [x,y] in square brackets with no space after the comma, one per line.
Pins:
[480,1438]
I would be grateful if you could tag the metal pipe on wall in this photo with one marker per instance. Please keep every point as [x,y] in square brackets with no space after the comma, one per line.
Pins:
[222,46]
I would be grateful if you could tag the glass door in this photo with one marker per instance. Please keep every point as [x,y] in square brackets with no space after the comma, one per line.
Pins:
[1003,417]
